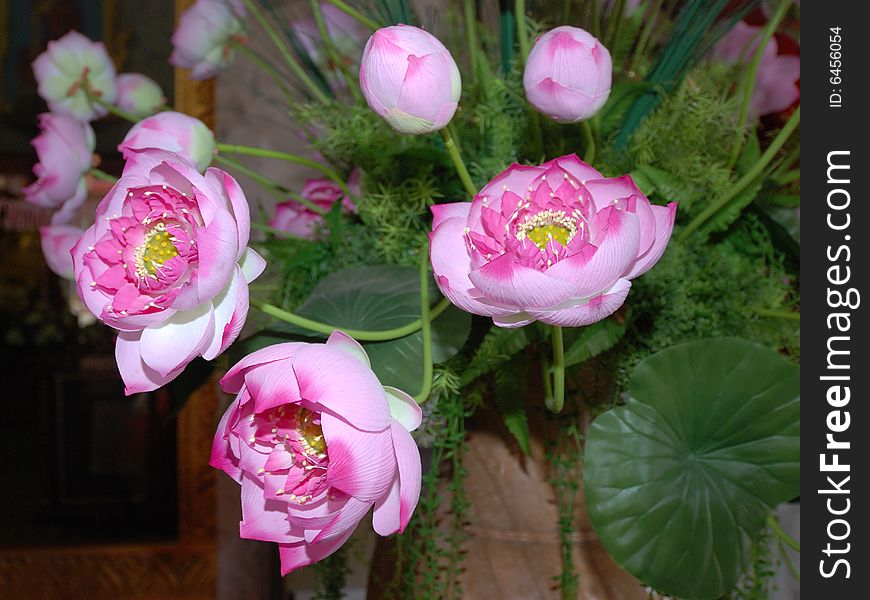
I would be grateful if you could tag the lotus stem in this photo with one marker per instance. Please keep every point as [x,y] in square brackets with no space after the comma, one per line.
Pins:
[461,169]
[357,334]
[426,327]
[352,12]
[589,154]
[102,175]
[557,401]
[789,541]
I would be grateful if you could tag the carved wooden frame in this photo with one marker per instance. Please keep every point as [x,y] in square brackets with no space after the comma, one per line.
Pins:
[185,568]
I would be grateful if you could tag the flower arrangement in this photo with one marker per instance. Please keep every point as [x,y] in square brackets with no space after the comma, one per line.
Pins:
[590,189]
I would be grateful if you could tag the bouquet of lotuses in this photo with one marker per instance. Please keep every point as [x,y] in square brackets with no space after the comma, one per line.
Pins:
[611,200]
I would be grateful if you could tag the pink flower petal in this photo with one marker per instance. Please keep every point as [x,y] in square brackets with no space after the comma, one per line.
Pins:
[596,309]
[410,472]
[341,341]
[346,520]
[442,212]
[664,219]
[138,377]
[361,464]
[387,516]
[403,408]
[264,520]
[232,382]
[174,343]
[301,555]
[510,283]
[342,386]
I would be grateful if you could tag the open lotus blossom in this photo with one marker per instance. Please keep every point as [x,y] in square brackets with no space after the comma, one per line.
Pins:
[65,149]
[315,442]
[167,264]
[410,79]
[557,243]
[299,220]
[139,95]
[202,42]
[776,84]
[173,131]
[568,74]
[70,69]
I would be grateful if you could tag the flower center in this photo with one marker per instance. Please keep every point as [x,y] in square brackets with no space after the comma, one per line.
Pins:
[547,226]
[156,249]
[310,432]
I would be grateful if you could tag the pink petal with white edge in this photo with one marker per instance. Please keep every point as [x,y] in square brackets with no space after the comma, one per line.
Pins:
[341,386]
[138,377]
[442,212]
[520,319]
[225,305]
[346,520]
[361,464]
[237,201]
[303,554]
[341,341]
[507,282]
[410,472]
[264,520]
[387,516]
[596,309]
[623,193]
[57,242]
[232,382]
[451,265]
[403,408]
[664,217]
[252,265]
[618,239]
[175,342]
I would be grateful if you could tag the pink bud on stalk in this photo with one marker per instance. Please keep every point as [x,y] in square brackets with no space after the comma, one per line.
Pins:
[139,95]
[410,79]
[568,75]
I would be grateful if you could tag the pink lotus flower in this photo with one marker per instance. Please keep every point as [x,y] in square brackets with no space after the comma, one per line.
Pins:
[410,79]
[776,86]
[568,74]
[139,95]
[65,149]
[57,242]
[202,42]
[558,243]
[175,132]
[68,70]
[299,220]
[167,264]
[315,442]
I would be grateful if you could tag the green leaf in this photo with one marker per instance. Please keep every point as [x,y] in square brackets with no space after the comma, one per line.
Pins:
[680,480]
[593,340]
[510,394]
[729,213]
[377,298]
[399,363]
[622,96]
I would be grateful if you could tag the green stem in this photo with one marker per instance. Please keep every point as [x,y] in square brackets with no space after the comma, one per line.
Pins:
[614,23]
[363,336]
[522,34]
[787,163]
[596,24]
[788,177]
[751,76]
[332,51]
[461,169]
[349,10]
[291,61]
[293,158]
[426,326]
[773,523]
[468,9]
[557,370]
[267,68]
[747,178]
[589,154]
[102,175]
[113,109]
[649,23]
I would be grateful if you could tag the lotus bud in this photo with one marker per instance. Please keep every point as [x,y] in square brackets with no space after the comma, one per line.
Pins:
[568,75]
[410,79]
[139,95]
